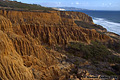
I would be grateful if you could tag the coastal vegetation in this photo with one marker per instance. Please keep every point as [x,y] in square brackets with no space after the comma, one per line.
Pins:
[14,5]
[115,46]
[89,26]
[94,52]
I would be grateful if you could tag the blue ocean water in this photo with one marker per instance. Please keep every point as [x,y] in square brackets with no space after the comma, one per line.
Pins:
[108,19]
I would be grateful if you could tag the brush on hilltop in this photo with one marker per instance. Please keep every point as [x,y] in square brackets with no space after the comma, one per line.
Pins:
[14,5]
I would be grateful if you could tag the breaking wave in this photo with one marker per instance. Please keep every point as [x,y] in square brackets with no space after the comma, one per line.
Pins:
[110,26]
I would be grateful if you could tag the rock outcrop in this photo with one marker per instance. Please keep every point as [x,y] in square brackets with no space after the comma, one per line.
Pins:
[23,36]
[54,27]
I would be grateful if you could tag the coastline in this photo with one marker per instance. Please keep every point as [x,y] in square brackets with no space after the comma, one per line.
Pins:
[51,46]
[107,19]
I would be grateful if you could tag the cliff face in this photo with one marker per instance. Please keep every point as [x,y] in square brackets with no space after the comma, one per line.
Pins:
[53,27]
[77,16]
[22,34]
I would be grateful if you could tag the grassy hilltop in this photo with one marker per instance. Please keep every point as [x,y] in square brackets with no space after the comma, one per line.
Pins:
[14,5]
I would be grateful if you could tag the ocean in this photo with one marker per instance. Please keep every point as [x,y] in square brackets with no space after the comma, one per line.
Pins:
[108,19]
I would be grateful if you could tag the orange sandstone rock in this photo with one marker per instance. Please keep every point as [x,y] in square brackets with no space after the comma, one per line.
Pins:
[22,56]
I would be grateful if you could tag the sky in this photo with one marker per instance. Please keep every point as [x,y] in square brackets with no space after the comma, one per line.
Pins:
[86,4]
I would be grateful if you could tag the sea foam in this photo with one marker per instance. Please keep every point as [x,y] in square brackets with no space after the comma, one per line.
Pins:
[110,26]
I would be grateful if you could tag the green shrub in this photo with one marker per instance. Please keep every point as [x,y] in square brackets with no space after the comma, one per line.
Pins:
[94,52]
[109,73]
[88,25]
[23,6]
[115,46]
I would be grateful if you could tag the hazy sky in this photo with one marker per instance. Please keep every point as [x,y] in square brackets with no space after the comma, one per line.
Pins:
[87,4]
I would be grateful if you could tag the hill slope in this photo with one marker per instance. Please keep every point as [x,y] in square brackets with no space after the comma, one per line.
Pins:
[21,6]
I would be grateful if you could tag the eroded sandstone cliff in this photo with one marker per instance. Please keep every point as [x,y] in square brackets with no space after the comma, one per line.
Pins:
[23,36]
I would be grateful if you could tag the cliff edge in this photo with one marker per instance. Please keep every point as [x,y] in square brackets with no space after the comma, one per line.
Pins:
[25,39]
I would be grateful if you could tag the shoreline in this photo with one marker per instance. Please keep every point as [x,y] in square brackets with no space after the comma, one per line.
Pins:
[104,22]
